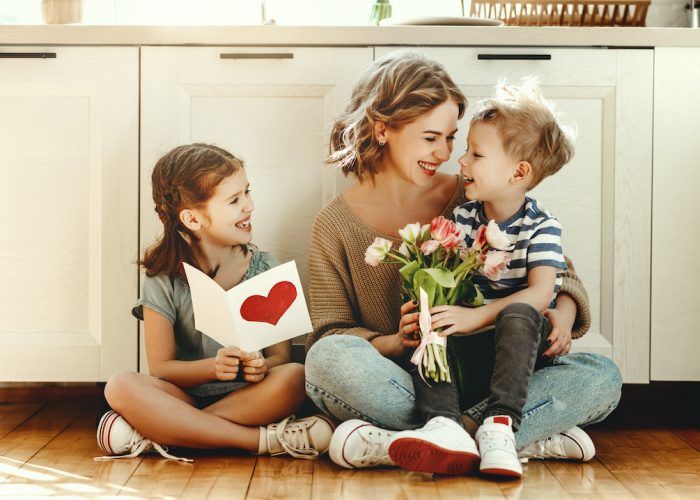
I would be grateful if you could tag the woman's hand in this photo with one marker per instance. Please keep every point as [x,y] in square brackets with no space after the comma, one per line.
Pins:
[408,335]
[560,337]
[227,362]
[254,366]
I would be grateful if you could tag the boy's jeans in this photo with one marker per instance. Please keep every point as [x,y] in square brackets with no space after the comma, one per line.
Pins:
[510,352]
[347,378]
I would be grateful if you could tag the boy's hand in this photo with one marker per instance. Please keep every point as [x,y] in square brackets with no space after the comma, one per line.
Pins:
[560,337]
[227,362]
[254,366]
[458,319]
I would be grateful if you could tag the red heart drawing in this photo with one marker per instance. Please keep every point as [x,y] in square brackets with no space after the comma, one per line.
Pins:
[271,308]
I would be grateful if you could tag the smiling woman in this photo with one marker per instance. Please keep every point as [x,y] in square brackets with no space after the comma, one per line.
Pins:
[396,132]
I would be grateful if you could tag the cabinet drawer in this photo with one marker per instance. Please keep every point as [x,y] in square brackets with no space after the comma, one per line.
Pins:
[246,65]
[487,65]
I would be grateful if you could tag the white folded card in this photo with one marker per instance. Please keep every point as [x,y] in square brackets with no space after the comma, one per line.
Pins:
[261,311]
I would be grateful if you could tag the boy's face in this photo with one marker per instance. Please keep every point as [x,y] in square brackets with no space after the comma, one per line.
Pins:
[487,169]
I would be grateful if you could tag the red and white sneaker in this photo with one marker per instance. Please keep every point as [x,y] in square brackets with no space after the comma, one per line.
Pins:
[441,446]
[118,439]
[497,447]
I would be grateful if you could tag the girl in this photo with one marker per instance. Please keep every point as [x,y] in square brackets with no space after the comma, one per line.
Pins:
[200,394]
[396,132]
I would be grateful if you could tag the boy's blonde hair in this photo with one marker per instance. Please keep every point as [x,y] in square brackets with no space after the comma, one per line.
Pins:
[530,127]
[395,90]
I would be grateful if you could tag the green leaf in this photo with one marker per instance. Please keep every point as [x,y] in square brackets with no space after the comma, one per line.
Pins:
[442,277]
[409,270]
[422,279]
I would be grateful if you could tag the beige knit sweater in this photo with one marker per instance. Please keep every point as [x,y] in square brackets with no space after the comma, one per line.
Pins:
[353,298]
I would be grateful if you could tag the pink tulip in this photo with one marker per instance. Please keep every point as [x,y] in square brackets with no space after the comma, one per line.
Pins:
[480,238]
[429,246]
[495,264]
[377,251]
[445,231]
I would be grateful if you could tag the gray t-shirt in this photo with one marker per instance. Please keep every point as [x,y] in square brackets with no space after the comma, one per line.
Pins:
[170,297]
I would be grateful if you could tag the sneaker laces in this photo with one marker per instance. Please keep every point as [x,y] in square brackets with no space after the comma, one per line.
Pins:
[138,444]
[493,440]
[551,447]
[293,436]
[375,451]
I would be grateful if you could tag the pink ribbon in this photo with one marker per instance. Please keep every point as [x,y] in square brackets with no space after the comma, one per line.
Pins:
[428,336]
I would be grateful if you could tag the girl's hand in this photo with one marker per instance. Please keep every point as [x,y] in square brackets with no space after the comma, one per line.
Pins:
[458,319]
[254,366]
[227,362]
[560,337]
[408,335]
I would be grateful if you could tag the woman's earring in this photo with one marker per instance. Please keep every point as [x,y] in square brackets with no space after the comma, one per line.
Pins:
[381,144]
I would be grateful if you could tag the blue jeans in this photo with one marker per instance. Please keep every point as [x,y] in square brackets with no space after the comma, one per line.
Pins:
[347,378]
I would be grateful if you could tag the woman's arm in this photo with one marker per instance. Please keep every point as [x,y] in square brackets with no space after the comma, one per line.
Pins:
[572,288]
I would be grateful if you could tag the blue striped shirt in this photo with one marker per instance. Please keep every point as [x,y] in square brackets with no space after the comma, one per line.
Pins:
[536,235]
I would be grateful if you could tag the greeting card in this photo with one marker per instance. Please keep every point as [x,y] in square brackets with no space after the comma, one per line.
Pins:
[261,311]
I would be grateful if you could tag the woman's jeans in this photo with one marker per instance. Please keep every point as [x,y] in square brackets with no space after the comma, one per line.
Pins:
[347,378]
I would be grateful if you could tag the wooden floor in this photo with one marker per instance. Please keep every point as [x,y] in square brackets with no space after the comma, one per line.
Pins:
[46,449]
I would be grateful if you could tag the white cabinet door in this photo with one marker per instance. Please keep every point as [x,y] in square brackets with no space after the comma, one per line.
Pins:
[603,196]
[270,106]
[69,166]
[675,294]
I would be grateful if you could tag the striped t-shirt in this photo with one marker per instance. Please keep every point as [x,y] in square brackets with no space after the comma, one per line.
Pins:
[536,235]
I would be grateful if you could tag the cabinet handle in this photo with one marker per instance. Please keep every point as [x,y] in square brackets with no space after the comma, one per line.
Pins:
[252,55]
[514,57]
[27,55]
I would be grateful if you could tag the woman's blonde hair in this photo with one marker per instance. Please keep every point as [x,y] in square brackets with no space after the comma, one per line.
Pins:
[395,90]
[530,127]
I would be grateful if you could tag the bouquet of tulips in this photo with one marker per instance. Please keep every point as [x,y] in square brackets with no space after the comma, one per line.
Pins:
[436,269]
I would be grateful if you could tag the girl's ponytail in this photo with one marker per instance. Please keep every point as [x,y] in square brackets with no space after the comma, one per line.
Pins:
[185,177]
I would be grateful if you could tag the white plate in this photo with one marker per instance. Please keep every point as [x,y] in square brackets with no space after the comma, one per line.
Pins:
[440,21]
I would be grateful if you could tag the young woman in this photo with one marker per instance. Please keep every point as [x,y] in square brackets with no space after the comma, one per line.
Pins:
[200,394]
[396,132]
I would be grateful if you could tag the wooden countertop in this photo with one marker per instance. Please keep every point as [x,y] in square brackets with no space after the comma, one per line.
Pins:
[348,36]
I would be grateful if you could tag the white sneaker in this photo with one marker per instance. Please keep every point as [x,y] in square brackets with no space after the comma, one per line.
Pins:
[497,447]
[304,438]
[573,444]
[358,444]
[118,439]
[441,446]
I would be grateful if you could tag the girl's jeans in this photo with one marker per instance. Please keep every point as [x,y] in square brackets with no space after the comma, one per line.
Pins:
[347,378]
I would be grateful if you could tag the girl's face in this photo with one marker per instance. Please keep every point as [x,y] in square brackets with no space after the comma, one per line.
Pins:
[485,166]
[228,211]
[416,150]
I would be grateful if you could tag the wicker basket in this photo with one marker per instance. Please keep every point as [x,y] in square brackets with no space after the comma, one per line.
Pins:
[563,12]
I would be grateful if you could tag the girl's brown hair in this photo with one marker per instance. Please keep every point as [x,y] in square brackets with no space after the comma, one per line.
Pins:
[395,90]
[185,177]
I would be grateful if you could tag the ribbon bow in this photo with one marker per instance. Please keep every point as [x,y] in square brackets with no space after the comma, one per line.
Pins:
[428,336]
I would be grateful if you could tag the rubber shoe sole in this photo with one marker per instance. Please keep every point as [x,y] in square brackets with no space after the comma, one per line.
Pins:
[501,471]
[420,456]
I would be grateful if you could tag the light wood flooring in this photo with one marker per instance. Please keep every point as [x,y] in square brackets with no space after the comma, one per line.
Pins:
[47,444]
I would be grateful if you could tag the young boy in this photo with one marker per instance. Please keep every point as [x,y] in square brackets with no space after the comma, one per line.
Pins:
[514,142]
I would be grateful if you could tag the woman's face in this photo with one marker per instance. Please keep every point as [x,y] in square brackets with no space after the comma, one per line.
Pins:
[416,150]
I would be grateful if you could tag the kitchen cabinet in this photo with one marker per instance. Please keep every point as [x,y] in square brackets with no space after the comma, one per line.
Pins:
[603,196]
[269,106]
[69,193]
[675,270]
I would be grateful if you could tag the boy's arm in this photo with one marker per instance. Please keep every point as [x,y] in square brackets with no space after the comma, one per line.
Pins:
[540,287]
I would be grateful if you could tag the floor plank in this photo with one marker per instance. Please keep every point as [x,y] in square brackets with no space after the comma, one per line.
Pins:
[46,449]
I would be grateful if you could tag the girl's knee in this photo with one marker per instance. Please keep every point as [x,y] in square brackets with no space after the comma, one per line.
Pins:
[329,356]
[597,372]
[119,389]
